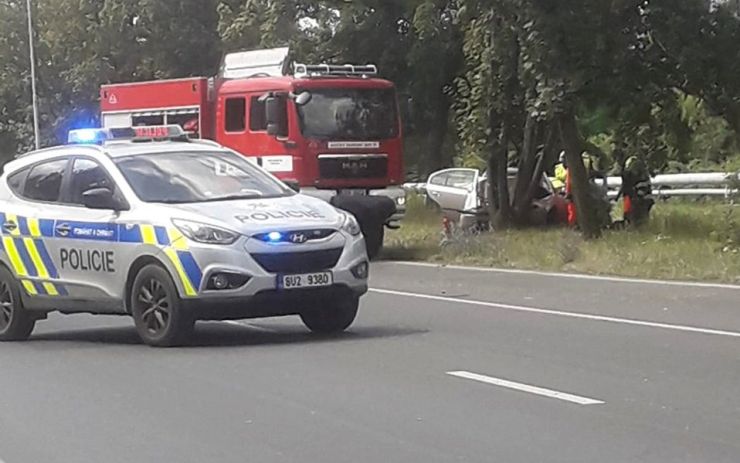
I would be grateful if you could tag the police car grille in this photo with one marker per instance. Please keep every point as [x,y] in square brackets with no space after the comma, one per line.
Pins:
[299,262]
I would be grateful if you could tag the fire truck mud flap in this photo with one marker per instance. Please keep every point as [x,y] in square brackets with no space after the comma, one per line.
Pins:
[372,212]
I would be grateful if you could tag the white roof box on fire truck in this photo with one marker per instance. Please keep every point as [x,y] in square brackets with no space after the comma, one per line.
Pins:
[275,62]
[272,62]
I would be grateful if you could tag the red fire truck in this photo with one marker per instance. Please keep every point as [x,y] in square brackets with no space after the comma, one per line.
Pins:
[331,130]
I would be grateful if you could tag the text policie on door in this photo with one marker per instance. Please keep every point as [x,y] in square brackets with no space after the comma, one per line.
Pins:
[87,260]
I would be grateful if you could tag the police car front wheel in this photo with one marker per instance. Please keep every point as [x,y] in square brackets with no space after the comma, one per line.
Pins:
[16,323]
[333,317]
[160,317]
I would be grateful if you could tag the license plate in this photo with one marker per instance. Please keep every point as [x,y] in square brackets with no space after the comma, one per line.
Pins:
[353,192]
[305,280]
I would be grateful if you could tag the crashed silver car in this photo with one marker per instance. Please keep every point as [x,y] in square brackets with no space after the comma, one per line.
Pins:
[169,231]
[462,195]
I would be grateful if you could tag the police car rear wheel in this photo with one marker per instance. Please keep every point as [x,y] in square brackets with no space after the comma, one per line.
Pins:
[332,318]
[159,315]
[16,323]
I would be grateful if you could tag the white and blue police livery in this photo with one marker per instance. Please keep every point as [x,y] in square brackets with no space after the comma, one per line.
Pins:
[146,223]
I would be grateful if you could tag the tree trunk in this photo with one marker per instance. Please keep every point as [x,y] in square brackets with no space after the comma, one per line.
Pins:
[527,161]
[546,158]
[585,211]
[498,183]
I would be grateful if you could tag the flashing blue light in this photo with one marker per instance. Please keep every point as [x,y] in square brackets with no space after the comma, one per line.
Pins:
[86,136]
[274,236]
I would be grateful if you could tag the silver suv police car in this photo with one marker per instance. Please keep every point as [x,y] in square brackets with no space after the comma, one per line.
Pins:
[169,232]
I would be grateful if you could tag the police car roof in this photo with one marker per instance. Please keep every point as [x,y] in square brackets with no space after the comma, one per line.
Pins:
[112,149]
[117,149]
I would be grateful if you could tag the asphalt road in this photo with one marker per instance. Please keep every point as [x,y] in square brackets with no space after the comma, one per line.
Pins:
[443,365]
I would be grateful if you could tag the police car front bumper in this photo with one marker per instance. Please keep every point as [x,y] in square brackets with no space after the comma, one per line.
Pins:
[268,303]
[257,267]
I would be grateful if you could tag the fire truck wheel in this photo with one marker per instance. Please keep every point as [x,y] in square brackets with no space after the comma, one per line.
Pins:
[374,241]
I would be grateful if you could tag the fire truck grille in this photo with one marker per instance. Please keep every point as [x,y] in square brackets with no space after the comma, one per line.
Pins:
[338,167]
[299,262]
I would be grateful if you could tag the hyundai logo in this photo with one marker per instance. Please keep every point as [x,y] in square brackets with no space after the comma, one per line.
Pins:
[298,238]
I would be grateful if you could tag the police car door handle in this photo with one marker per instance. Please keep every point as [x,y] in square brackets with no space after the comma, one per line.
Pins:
[63,229]
[10,226]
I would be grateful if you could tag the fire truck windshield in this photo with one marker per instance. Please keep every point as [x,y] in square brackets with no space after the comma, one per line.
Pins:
[350,114]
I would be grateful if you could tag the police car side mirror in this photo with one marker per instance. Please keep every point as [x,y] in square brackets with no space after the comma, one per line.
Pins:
[101,198]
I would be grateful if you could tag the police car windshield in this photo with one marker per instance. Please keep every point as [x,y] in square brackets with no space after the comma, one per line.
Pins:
[194,177]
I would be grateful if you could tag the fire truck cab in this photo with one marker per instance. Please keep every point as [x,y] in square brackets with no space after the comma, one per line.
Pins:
[333,131]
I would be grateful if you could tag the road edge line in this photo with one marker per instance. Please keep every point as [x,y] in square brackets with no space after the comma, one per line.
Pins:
[561,313]
[576,276]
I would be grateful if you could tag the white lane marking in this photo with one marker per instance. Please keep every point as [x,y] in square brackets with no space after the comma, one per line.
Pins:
[560,313]
[526,388]
[577,276]
[247,325]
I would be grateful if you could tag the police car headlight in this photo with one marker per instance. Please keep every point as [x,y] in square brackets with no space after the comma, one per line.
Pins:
[203,233]
[350,225]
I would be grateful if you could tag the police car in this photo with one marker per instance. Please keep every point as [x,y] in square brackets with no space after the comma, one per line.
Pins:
[146,223]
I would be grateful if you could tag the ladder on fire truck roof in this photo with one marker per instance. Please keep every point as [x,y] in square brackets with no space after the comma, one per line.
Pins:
[319,70]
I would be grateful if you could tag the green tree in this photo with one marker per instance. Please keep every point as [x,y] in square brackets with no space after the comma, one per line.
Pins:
[16,133]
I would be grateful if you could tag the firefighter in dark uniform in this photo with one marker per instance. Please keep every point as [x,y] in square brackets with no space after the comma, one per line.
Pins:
[636,191]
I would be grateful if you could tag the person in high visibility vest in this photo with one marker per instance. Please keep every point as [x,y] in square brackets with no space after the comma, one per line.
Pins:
[561,173]
[571,207]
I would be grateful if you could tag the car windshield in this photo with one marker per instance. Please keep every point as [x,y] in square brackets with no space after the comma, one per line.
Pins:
[350,114]
[192,177]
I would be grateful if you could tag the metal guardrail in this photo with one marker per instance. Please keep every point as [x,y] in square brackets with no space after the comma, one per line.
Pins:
[716,184]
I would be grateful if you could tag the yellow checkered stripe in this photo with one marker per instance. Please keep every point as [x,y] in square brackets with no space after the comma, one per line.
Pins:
[31,262]
[177,251]
[29,257]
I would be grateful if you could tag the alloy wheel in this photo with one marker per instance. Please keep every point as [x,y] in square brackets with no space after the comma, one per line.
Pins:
[155,307]
[6,305]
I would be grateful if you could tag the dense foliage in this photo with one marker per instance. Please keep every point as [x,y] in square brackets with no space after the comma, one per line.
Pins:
[494,83]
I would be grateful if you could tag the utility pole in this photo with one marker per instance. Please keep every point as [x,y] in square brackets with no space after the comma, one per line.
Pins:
[34,100]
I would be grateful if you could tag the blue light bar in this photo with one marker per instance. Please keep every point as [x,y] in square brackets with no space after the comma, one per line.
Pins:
[87,136]
[142,133]
[274,236]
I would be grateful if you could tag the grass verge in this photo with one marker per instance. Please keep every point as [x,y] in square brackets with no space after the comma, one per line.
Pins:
[683,241]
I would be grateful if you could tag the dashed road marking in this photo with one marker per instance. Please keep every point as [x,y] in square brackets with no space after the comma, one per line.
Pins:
[243,324]
[541,391]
